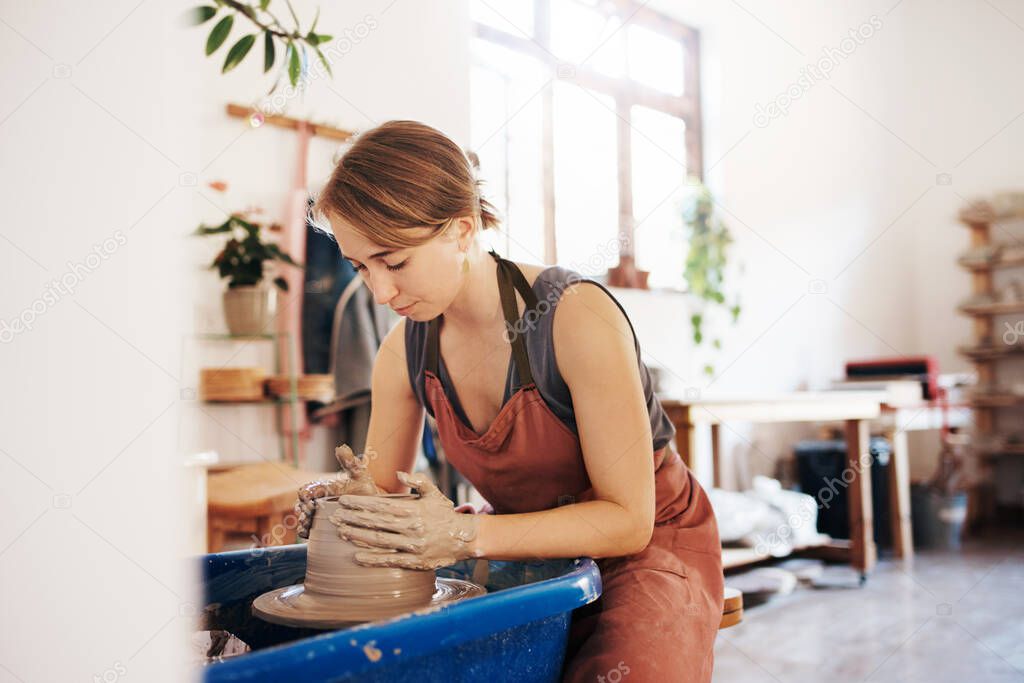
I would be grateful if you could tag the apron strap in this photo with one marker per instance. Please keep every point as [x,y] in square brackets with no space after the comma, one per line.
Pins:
[509,277]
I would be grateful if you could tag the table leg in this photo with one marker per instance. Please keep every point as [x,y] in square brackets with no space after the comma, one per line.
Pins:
[692,441]
[680,418]
[899,497]
[214,537]
[716,456]
[858,472]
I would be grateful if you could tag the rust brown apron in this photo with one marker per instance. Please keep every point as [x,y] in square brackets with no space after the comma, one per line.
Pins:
[659,610]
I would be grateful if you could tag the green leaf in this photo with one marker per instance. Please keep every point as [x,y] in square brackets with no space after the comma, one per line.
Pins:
[238,52]
[264,4]
[219,34]
[268,51]
[709,370]
[323,60]
[293,64]
[717,343]
[315,19]
[275,251]
[213,229]
[323,38]
[201,15]
[295,17]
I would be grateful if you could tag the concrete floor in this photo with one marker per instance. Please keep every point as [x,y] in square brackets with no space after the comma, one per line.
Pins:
[950,617]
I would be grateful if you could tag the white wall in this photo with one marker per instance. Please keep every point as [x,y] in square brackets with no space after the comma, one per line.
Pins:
[111,124]
[846,239]
[404,61]
[96,128]
[850,170]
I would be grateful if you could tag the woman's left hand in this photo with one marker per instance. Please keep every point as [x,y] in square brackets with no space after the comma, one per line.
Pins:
[420,533]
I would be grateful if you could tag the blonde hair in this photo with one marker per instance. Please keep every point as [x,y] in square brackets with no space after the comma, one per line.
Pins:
[400,175]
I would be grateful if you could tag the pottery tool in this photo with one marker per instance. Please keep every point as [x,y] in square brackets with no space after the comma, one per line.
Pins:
[338,592]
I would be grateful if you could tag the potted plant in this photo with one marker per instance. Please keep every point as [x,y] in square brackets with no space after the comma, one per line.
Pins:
[249,302]
[706,261]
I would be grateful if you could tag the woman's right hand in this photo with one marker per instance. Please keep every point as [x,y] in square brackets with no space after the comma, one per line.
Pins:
[354,478]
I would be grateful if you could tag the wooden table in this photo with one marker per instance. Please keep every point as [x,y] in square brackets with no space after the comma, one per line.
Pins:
[257,499]
[895,422]
[698,422]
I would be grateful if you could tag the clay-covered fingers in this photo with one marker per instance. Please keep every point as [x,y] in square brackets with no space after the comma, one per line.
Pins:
[384,522]
[307,495]
[349,461]
[386,540]
[356,468]
[421,483]
[314,489]
[321,488]
[378,558]
[378,505]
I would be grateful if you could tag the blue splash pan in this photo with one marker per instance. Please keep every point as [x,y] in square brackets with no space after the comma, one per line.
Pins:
[518,631]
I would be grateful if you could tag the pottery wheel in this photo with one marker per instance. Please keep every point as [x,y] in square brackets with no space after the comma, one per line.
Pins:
[292,606]
[338,592]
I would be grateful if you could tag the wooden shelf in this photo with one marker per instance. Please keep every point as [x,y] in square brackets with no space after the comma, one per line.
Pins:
[995,264]
[996,401]
[253,402]
[989,345]
[984,353]
[1014,449]
[237,337]
[742,557]
[993,309]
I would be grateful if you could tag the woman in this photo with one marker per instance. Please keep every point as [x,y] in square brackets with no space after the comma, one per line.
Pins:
[534,377]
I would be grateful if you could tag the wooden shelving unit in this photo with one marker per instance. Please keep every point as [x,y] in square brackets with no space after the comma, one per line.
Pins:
[983,310]
[991,346]
[286,407]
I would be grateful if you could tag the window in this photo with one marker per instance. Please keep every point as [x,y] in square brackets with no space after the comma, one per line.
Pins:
[586,120]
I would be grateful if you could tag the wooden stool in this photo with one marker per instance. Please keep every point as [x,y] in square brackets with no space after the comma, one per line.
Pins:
[732,612]
[257,499]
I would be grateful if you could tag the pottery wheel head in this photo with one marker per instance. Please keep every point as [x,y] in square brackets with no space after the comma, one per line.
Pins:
[294,606]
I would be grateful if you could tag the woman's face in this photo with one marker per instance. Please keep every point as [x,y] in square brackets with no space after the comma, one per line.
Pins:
[417,282]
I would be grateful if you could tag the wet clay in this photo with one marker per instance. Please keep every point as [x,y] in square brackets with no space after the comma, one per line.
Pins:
[412,532]
[354,478]
[338,592]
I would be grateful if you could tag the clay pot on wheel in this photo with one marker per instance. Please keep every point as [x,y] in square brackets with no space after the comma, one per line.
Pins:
[338,592]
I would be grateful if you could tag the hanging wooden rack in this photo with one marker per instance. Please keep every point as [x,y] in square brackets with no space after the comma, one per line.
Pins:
[239,111]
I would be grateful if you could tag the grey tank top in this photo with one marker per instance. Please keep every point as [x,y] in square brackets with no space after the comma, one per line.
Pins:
[549,286]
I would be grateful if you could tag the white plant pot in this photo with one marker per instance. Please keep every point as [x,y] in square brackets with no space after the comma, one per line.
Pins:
[249,311]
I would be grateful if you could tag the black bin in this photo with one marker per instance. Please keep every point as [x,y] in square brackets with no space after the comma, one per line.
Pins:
[821,465]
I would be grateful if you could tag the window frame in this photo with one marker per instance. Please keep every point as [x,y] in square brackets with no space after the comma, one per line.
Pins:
[625,92]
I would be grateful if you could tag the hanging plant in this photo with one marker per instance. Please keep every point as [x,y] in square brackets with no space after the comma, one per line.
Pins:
[706,262]
[293,41]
